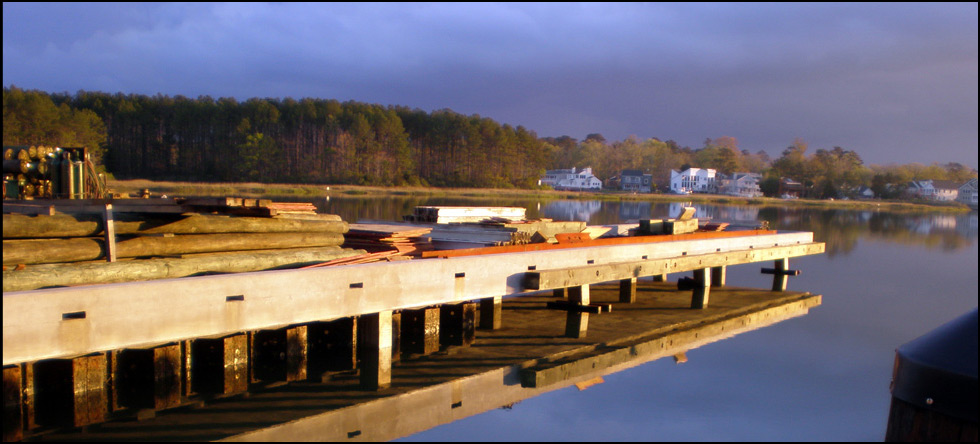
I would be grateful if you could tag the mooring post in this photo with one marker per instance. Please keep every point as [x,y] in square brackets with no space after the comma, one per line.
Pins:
[702,288]
[627,290]
[491,310]
[376,360]
[718,276]
[577,322]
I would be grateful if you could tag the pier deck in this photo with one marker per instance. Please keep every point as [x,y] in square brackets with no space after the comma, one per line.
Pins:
[527,356]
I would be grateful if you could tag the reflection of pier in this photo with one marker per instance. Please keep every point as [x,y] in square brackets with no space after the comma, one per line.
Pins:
[131,350]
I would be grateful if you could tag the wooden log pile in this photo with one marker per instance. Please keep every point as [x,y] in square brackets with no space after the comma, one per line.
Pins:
[72,247]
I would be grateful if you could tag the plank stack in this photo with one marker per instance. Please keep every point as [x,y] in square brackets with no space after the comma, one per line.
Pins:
[73,242]
[379,237]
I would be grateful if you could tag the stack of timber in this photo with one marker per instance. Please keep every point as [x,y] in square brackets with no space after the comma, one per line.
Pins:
[445,215]
[73,249]
[381,237]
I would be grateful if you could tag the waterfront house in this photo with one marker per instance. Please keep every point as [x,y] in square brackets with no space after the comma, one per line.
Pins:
[741,185]
[790,189]
[570,179]
[938,190]
[636,181]
[967,193]
[694,180]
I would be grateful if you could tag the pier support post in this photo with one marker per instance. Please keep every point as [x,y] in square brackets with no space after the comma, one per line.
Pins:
[718,276]
[702,288]
[376,360]
[491,313]
[72,392]
[13,420]
[279,355]
[561,293]
[332,346]
[457,324]
[147,378]
[780,273]
[219,366]
[660,277]
[420,330]
[577,323]
[627,290]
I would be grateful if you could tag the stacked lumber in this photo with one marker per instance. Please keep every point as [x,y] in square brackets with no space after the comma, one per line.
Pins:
[470,235]
[380,237]
[455,214]
[60,249]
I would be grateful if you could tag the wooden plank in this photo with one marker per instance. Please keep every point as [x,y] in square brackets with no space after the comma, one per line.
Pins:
[573,276]
[594,243]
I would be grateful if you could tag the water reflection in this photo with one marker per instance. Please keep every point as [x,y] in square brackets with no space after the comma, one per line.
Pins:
[840,229]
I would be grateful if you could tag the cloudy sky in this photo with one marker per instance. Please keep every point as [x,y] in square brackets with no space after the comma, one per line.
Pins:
[895,82]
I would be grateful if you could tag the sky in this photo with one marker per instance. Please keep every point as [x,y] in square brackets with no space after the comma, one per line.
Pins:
[896,83]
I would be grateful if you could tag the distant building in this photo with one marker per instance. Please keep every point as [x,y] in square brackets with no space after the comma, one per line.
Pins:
[636,181]
[938,190]
[570,179]
[741,184]
[790,189]
[865,193]
[693,180]
[967,194]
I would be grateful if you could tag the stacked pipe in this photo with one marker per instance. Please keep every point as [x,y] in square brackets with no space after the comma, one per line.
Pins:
[56,250]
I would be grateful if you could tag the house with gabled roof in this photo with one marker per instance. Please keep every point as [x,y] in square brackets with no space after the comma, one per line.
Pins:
[635,181]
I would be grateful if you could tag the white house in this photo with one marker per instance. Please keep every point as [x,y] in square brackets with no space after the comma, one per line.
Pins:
[695,180]
[569,179]
[741,184]
[940,190]
[967,194]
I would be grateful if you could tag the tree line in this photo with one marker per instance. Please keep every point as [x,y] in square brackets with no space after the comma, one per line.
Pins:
[326,141]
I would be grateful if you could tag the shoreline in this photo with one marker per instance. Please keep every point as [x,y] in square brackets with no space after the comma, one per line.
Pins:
[255,189]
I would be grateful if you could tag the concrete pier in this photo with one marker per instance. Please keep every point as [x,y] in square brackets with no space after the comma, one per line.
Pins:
[217,337]
[528,356]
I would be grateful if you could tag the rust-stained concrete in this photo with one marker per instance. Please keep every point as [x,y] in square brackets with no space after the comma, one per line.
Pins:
[431,390]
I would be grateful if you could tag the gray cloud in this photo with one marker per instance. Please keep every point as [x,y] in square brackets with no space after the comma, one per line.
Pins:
[895,82]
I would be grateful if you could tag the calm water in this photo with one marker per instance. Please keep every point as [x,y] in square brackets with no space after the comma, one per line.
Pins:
[885,279]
